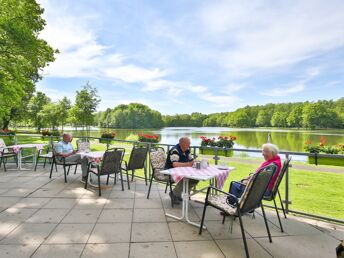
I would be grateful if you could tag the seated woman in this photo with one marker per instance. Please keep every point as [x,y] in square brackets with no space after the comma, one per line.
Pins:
[270,154]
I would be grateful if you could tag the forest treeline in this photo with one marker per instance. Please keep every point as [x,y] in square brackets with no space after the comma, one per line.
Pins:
[314,115]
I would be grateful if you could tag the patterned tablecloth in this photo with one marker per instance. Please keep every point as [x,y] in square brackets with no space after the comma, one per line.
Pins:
[220,174]
[94,156]
[16,148]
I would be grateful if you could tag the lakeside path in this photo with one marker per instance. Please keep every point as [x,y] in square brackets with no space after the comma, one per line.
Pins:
[328,169]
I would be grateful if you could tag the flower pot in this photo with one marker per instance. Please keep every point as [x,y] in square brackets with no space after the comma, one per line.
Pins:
[333,161]
[105,141]
[220,152]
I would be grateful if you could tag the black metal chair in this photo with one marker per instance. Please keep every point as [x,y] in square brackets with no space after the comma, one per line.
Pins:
[111,164]
[250,200]
[157,159]
[61,161]
[276,192]
[6,153]
[137,160]
[46,154]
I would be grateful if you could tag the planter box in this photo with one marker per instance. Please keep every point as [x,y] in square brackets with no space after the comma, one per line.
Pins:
[225,153]
[335,161]
[105,141]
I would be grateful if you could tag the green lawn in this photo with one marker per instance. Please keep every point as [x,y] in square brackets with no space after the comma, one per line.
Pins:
[319,193]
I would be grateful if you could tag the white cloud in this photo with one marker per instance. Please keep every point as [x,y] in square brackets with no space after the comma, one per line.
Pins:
[279,92]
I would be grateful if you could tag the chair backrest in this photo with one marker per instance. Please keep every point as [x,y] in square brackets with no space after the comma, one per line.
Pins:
[83,145]
[137,158]
[256,187]
[157,158]
[280,176]
[3,146]
[111,162]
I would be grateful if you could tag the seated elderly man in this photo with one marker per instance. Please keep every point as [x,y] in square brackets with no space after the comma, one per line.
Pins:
[65,149]
[179,156]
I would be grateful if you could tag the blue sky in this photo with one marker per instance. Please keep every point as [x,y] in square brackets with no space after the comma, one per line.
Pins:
[195,56]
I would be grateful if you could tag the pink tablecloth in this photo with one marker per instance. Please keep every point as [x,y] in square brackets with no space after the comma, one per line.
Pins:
[95,157]
[220,174]
[16,148]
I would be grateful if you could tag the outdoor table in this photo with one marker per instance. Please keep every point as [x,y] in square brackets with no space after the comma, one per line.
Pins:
[93,156]
[187,173]
[19,147]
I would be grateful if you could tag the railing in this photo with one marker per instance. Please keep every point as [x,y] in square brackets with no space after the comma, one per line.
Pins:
[216,157]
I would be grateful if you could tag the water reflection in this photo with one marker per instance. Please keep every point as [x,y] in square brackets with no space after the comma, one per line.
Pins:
[287,140]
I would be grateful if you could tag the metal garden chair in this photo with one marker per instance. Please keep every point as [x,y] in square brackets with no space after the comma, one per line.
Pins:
[250,200]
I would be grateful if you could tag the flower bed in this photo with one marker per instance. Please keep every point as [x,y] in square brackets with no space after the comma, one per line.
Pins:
[221,142]
[106,137]
[149,138]
[322,148]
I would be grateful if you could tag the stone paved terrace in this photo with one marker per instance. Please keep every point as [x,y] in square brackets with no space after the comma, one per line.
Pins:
[42,217]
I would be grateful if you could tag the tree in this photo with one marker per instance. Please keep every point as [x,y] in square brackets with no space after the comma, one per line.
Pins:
[86,102]
[48,116]
[35,105]
[62,108]
[294,118]
[22,54]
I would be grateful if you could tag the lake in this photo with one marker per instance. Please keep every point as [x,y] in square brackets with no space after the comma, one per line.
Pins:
[251,138]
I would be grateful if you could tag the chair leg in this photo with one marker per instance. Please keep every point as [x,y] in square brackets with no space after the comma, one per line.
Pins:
[51,168]
[76,167]
[128,179]
[107,180]
[37,163]
[279,196]
[121,174]
[65,173]
[243,236]
[55,167]
[278,216]
[224,218]
[132,174]
[203,215]
[266,223]
[150,186]
[170,183]
[99,190]
[4,161]
[45,162]
[145,172]
[68,170]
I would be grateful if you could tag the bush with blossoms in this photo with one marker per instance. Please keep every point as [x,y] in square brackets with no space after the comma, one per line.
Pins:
[220,141]
[148,138]
[322,148]
[108,135]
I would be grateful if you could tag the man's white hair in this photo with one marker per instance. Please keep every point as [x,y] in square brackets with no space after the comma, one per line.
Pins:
[184,138]
[67,134]
[271,147]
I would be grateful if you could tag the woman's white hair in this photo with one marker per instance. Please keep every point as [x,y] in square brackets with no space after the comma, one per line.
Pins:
[271,147]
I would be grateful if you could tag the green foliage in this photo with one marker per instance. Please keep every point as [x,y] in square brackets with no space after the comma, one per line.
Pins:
[133,116]
[132,137]
[35,106]
[22,54]
[86,102]
[322,148]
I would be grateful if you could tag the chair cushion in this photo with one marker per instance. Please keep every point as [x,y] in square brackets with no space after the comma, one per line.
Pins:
[160,177]
[220,201]
[158,159]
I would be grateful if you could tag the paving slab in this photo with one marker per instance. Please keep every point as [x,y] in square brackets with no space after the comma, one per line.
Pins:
[117,250]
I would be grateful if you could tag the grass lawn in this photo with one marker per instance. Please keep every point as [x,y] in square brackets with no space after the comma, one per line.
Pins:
[319,193]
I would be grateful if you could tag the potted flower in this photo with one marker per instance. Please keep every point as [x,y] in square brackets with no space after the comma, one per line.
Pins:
[322,148]
[107,137]
[222,142]
[148,138]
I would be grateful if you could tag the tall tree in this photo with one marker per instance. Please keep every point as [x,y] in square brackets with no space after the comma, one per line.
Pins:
[22,53]
[86,102]
[36,104]
[62,108]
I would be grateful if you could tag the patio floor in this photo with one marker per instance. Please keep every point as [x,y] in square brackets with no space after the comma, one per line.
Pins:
[42,217]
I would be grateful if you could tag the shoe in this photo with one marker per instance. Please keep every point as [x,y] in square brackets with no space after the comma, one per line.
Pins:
[180,199]
[84,179]
[174,198]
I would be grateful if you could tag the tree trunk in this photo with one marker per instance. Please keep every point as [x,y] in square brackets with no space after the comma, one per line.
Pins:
[5,125]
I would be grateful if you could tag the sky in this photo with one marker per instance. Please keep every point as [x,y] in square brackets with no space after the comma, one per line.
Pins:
[195,56]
